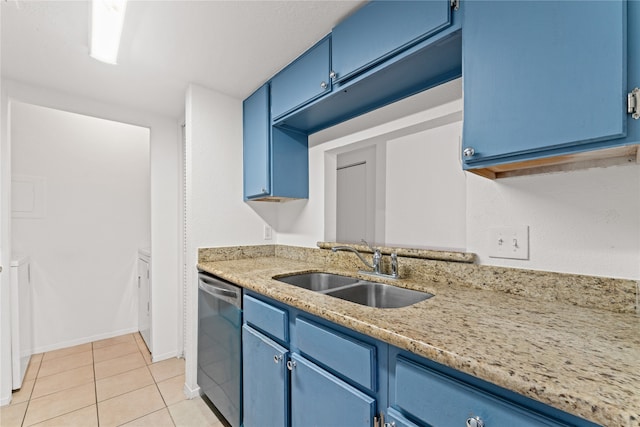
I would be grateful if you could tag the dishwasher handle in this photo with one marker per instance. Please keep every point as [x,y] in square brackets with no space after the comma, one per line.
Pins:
[215,291]
[220,289]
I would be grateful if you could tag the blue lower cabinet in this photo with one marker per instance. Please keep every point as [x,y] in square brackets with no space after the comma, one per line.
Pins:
[319,399]
[438,400]
[325,375]
[271,321]
[424,393]
[346,356]
[265,380]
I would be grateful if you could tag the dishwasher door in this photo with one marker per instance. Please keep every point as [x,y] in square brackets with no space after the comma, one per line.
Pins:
[219,345]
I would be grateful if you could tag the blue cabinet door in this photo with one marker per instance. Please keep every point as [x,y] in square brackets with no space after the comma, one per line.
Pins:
[438,400]
[302,81]
[541,75]
[256,129]
[318,399]
[265,380]
[381,29]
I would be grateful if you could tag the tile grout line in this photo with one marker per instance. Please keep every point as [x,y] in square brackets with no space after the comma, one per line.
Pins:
[95,380]
[157,388]
[69,369]
[159,391]
[95,386]
[24,416]
[29,402]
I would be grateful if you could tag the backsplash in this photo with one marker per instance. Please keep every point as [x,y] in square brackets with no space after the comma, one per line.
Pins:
[616,295]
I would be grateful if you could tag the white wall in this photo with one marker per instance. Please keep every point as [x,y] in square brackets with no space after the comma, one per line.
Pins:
[216,212]
[83,248]
[425,202]
[165,204]
[583,222]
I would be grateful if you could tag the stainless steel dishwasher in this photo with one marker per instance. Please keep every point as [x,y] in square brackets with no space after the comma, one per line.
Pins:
[219,345]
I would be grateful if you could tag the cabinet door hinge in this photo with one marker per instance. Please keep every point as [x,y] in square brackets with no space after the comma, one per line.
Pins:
[455,4]
[633,103]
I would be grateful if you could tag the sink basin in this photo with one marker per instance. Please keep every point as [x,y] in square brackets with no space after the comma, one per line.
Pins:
[379,295]
[318,281]
[362,292]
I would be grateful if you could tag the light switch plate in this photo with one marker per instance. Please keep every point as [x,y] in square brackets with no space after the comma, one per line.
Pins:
[509,242]
[268,232]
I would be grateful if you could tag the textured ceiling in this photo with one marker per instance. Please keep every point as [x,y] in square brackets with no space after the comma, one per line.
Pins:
[229,46]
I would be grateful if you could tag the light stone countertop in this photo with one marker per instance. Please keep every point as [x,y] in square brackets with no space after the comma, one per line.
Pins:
[583,361]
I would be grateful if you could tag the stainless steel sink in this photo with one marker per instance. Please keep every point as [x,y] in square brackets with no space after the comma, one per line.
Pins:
[379,295]
[362,292]
[318,281]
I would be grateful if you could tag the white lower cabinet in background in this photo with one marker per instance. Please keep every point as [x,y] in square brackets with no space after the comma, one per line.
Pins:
[144,296]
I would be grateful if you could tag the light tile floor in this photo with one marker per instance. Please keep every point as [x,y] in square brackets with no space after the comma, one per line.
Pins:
[106,383]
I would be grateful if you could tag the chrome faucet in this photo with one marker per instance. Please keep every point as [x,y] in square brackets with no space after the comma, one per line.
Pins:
[377,258]
[376,262]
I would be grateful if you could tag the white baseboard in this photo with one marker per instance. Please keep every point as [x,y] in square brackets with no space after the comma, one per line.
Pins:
[160,357]
[6,400]
[83,340]
[191,393]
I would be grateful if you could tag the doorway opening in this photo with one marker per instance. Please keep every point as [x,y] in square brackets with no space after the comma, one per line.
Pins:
[81,209]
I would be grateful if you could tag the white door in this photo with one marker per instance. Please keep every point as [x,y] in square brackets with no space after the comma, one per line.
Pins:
[355,204]
[144,301]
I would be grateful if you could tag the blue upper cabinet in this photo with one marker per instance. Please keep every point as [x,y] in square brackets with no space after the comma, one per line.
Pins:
[385,51]
[275,161]
[542,79]
[256,144]
[381,29]
[304,80]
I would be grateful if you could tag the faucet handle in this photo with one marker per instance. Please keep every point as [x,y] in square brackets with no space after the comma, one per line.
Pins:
[394,264]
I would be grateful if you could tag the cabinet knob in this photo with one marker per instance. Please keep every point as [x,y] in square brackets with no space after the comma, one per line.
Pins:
[332,75]
[475,422]
[277,358]
[291,364]
[324,85]
[264,190]
[468,152]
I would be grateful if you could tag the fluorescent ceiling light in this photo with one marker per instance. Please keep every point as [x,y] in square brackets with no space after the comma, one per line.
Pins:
[107,17]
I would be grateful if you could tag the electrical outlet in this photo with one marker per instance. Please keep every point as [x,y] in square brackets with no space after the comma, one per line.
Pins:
[509,242]
[268,232]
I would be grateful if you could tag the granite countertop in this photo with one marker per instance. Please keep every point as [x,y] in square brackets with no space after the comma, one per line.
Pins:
[583,361]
